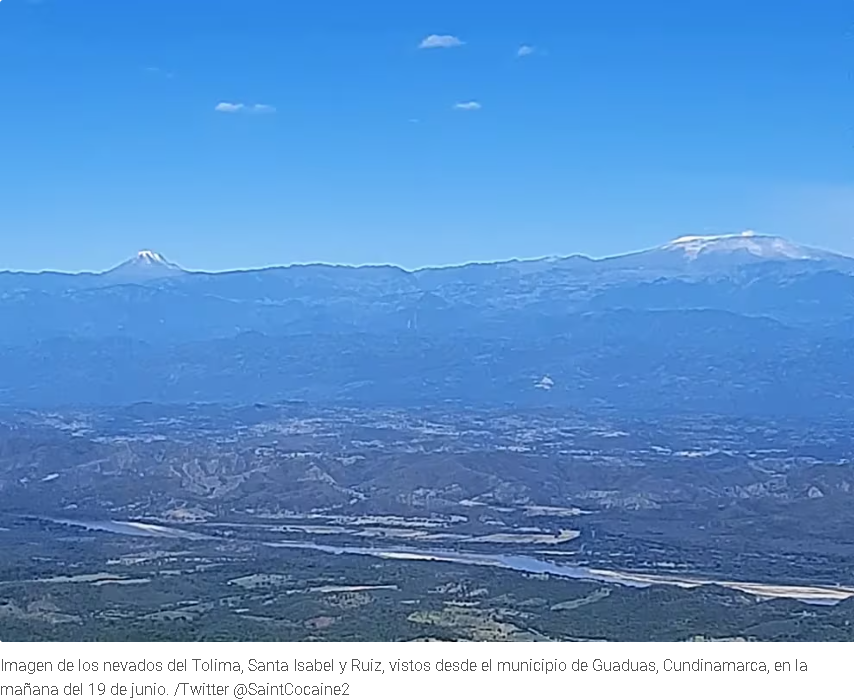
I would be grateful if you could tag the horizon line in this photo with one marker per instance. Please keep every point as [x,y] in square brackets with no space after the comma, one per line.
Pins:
[354,266]
[313,263]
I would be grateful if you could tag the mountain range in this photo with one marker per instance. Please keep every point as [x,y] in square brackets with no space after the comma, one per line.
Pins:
[737,324]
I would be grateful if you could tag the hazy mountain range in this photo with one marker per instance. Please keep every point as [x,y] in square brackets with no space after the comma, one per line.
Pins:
[745,323]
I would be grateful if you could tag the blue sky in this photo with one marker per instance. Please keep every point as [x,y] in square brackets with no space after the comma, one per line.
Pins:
[628,124]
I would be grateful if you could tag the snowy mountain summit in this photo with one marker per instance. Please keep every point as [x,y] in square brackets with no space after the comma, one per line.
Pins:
[747,243]
[146,265]
[149,257]
[709,255]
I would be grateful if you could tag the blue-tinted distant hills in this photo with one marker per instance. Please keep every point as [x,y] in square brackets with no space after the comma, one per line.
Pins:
[730,324]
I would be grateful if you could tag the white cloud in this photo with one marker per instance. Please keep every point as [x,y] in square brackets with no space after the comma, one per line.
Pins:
[468,106]
[229,107]
[440,41]
[524,50]
[235,107]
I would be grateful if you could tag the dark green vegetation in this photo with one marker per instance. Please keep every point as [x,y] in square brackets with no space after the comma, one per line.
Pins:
[122,589]
[690,499]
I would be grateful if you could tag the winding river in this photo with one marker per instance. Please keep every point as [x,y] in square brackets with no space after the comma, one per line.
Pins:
[826,595]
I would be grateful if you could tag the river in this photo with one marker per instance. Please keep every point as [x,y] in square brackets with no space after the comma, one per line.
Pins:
[826,595]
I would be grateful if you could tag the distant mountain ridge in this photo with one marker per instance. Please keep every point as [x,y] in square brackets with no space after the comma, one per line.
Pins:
[743,248]
[725,323]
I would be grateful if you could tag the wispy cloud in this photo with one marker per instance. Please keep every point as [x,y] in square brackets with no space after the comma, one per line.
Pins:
[235,107]
[468,106]
[440,41]
[525,50]
[229,107]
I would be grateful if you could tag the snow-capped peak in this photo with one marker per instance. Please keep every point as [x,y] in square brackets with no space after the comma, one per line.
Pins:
[146,264]
[149,257]
[746,243]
